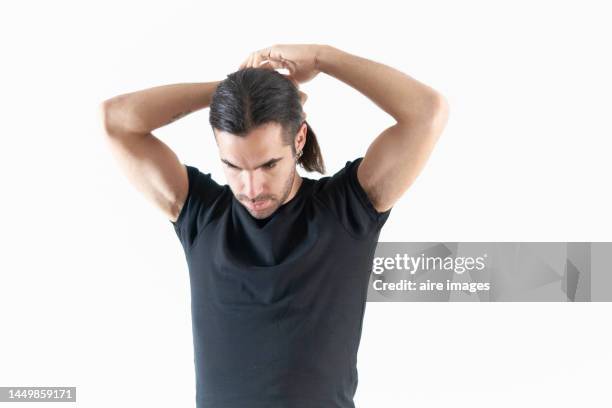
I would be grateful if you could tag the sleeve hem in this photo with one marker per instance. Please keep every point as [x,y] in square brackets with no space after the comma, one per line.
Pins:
[181,215]
[363,196]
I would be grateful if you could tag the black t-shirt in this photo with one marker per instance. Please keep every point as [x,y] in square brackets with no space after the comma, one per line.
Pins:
[277,304]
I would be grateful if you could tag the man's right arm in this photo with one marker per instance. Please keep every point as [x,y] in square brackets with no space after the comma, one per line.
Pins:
[148,163]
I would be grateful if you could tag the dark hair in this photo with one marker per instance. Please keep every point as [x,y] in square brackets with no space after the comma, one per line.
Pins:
[252,97]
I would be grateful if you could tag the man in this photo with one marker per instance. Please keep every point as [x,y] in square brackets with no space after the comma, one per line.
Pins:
[279,264]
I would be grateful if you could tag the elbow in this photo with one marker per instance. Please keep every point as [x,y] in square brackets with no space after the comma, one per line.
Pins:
[115,118]
[439,112]
[103,116]
[441,104]
[433,115]
[438,108]
[105,111]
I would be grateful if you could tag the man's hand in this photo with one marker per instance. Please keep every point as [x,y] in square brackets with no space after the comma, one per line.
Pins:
[299,59]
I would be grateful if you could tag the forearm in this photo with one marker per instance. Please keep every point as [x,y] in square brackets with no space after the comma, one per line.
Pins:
[401,96]
[148,109]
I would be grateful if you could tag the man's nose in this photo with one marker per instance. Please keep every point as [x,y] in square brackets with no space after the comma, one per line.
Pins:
[251,185]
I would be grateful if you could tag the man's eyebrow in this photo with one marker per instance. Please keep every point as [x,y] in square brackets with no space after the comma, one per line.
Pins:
[271,161]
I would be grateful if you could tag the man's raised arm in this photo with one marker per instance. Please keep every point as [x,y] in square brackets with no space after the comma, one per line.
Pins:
[395,158]
[149,164]
[143,111]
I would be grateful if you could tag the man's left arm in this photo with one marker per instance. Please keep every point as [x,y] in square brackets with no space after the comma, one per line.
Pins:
[396,157]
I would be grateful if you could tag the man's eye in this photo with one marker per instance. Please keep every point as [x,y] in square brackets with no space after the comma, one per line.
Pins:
[267,166]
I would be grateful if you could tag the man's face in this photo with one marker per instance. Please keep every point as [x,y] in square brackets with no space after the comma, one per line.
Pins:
[260,170]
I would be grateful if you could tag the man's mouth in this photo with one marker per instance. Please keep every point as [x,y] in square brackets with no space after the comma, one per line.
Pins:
[258,205]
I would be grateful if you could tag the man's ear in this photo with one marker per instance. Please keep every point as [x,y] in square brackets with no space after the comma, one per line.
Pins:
[300,139]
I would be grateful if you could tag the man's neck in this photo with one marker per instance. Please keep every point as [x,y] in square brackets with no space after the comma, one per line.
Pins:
[297,182]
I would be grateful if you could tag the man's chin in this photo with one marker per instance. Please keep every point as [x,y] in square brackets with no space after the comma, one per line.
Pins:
[263,212]
[261,215]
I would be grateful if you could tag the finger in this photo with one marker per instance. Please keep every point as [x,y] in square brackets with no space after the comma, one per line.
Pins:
[245,63]
[251,57]
[277,64]
[290,65]
[264,55]
[257,59]
[271,65]
[266,65]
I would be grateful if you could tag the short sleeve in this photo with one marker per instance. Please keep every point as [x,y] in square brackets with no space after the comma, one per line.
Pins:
[349,202]
[203,198]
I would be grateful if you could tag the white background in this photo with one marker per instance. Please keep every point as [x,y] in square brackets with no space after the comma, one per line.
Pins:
[94,285]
